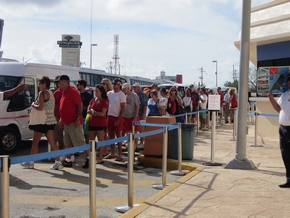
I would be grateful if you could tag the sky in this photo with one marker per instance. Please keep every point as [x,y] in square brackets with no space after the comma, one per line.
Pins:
[175,36]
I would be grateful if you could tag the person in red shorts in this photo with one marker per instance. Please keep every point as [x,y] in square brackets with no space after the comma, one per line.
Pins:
[98,121]
[117,104]
[131,110]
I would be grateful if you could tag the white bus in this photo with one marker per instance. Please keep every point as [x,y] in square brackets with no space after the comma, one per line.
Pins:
[15,110]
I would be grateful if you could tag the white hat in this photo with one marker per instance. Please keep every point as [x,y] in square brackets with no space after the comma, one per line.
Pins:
[126,85]
[136,85]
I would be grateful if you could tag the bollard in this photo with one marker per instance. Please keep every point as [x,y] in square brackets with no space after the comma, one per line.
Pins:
[234,127]
[213,129]
[93,213]
[180,172]
[122,208]
[4,186]
[164,161]
[256,130]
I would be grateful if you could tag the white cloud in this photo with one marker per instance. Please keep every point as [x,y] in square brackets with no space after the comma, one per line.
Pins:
[174,36]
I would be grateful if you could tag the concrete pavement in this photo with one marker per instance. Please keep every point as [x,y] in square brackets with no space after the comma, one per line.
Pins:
[213,191]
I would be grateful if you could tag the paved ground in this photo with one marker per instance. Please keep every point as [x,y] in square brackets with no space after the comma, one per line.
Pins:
[209,191]
[213,191]
[42,192]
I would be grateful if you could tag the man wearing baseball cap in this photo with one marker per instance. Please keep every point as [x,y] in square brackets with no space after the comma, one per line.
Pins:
[117,104]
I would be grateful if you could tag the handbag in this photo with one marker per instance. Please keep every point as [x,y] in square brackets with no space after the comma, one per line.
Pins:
[37,117]
[87,122]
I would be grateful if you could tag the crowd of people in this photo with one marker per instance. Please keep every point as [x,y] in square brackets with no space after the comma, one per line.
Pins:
[73,116]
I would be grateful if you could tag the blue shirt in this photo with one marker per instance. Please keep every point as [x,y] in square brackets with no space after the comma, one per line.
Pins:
[152,108]
[143,102]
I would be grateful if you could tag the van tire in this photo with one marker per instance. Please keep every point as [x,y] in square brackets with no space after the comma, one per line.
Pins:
[10,141]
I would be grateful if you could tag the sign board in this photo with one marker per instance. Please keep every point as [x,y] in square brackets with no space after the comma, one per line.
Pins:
[214,102]
[179,78]
[272,79]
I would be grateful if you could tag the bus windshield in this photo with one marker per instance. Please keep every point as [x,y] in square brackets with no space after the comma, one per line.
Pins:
[8,82]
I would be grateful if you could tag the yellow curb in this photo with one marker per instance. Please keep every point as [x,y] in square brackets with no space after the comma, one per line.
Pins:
[149,202]
[157,162]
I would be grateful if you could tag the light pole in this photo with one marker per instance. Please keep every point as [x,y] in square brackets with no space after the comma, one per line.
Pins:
[91,55]
[216,75]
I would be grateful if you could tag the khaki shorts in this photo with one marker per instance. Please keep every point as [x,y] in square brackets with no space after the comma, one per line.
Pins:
[73,135]
[58,132]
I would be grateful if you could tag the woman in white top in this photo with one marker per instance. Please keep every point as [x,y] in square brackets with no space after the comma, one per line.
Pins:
[44,102]
[162,102]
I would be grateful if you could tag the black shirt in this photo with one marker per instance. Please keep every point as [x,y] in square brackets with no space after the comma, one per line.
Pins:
[86,98]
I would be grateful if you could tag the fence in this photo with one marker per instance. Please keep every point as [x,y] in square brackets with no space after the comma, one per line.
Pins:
[6,162]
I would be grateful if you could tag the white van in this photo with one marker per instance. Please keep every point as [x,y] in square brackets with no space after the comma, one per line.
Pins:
[14,116]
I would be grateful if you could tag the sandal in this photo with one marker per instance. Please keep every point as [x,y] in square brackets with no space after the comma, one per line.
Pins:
[109,157]
[100,162]
[119,159]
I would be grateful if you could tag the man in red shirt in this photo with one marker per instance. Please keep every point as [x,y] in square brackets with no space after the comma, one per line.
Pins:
[70,109]
[58,132]
[221,94]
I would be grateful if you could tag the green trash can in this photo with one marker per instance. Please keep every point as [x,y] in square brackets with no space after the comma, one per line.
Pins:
[188,136]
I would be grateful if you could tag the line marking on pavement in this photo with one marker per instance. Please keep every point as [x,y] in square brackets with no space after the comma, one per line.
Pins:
[69,201]
[149,202]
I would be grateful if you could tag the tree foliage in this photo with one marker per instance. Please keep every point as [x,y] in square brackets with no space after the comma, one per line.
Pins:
[235,84]
[252,85]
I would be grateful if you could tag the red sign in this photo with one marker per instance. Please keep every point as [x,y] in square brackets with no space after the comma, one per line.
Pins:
[178,78]
[274,70]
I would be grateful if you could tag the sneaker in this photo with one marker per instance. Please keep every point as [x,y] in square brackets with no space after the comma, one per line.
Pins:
[65,163]
[86,164]
[27,165]
[57,166]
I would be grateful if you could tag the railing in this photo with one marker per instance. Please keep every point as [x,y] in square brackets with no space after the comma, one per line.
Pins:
[6,161]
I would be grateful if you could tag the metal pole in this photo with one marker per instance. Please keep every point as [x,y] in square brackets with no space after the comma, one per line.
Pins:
[5,186]
[256,132]
[213,129]
[186,118]
[93,213]
[164,161]
[212,138]
[197,122]
[180,172]
[122,208]
[234,126]
[240,161]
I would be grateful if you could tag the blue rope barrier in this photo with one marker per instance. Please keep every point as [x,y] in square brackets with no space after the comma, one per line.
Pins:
[41,156]
[112,141]
[173,127]
[179,115]
[192,113]
[251,113]
[157,124]
[139,122]
[144,134]
[269,115]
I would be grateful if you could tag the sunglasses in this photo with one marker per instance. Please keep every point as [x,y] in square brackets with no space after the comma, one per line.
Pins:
[173,90]
[104,83]
[78,84]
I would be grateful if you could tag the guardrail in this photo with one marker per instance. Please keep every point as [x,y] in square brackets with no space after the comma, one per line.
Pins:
[5,163]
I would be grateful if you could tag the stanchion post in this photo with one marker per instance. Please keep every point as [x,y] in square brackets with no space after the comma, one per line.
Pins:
[122,208]
[164,161]
[234,127]
[179,172]
[186,118]
[213,129]
[93,213]
[4,204]
[197,122]
[256,132]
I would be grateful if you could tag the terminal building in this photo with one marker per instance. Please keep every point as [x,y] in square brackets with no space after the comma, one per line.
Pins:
[269,52]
